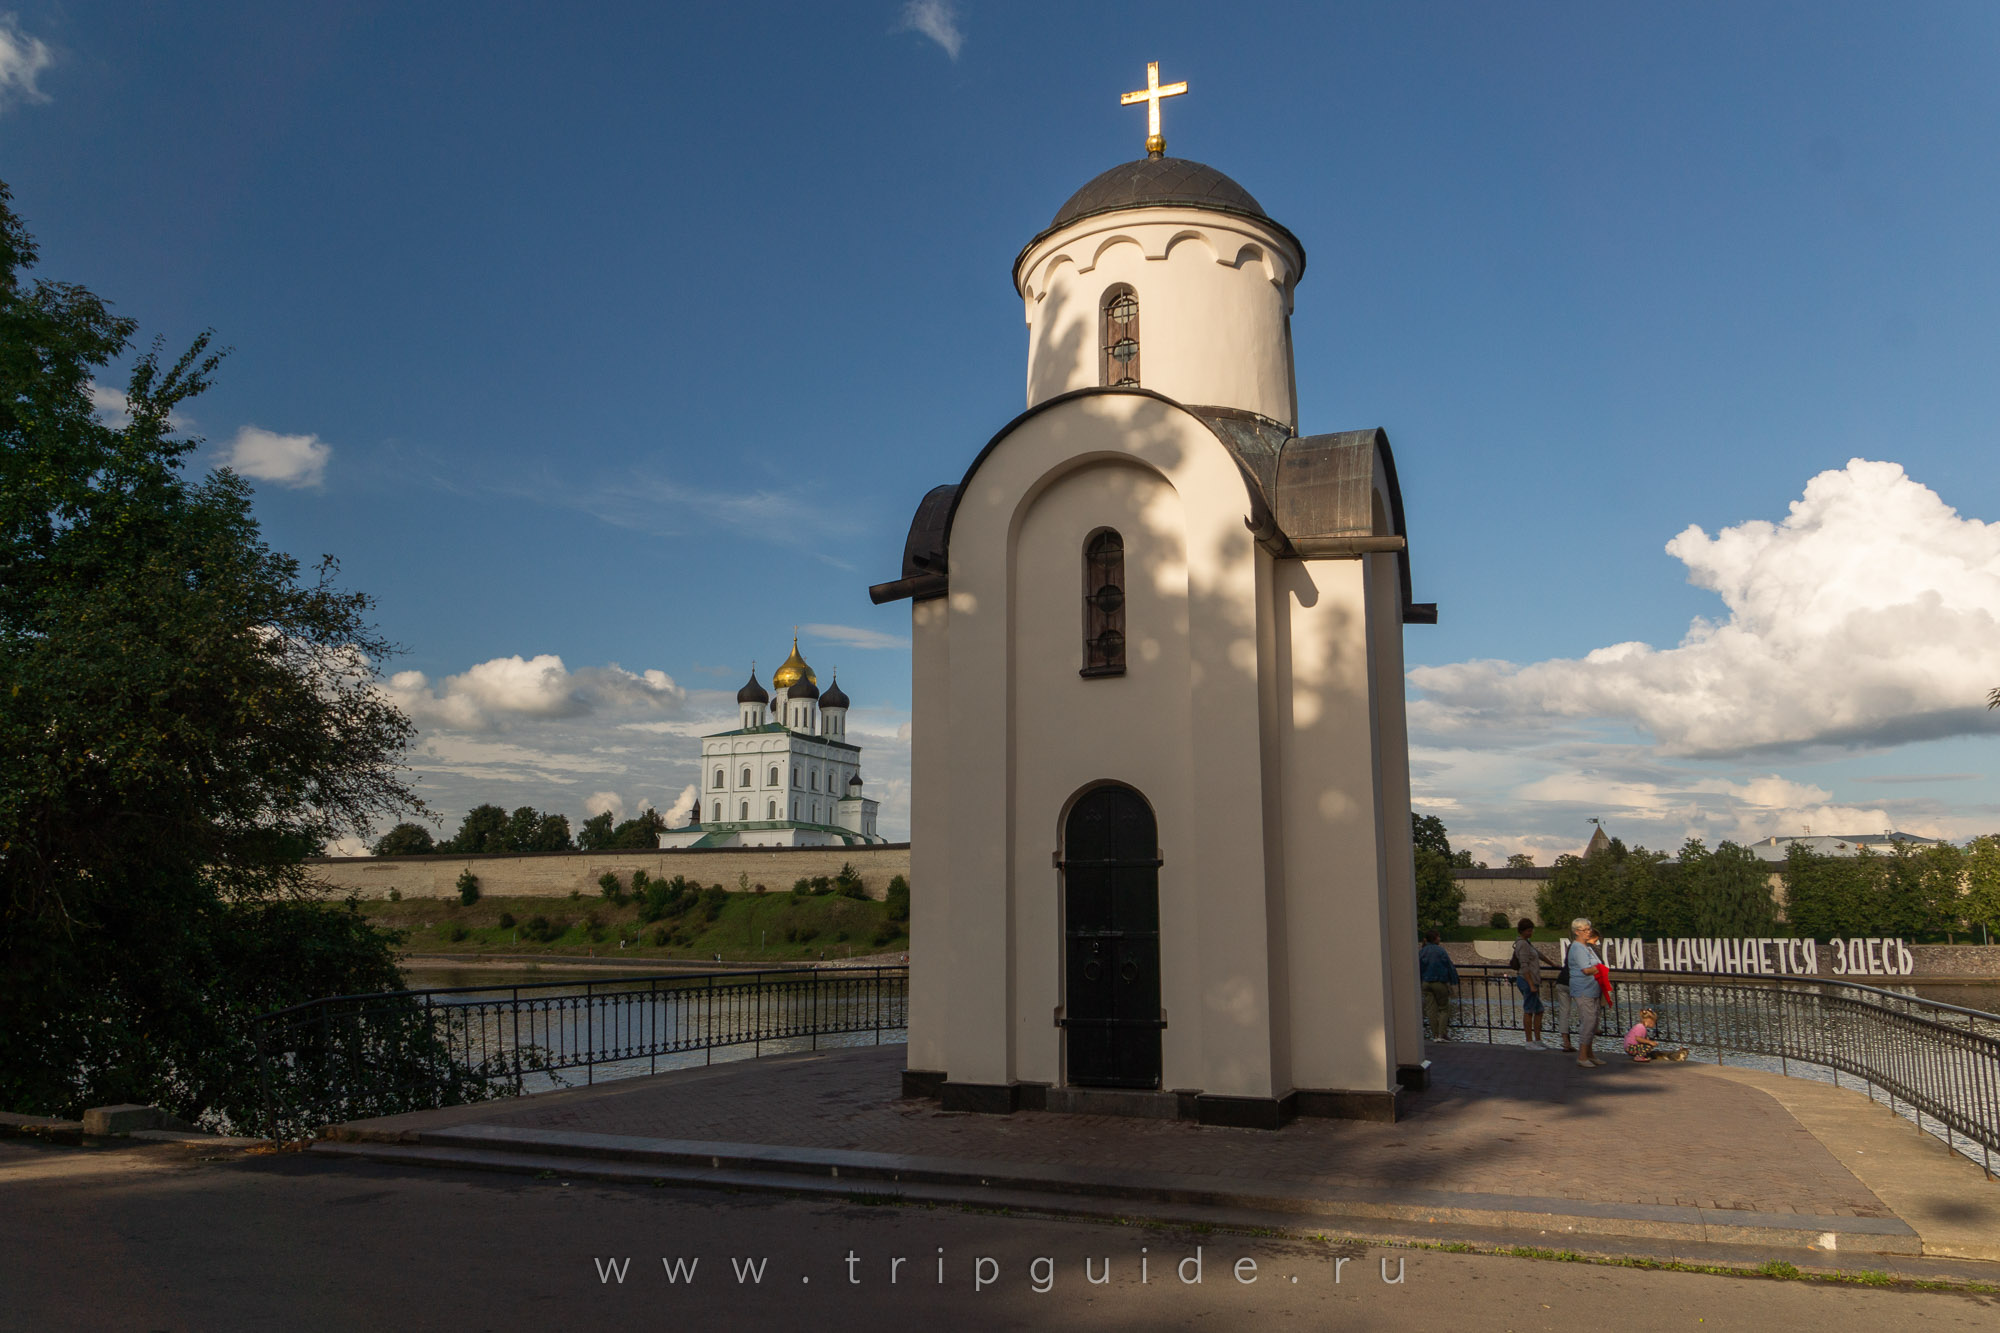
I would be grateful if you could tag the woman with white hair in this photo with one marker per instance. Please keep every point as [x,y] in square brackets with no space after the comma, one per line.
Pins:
[1586,971]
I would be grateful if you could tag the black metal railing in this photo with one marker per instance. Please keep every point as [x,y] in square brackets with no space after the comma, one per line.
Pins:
[1937,1063]
[357,1056]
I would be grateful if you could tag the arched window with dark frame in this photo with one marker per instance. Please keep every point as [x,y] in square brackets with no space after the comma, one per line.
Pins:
[1120,340]
[1104,604]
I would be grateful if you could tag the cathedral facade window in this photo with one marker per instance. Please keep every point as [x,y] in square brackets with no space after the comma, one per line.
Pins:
[718,780]
[771,807]
[774,776]
[746,778]
[1104,604]
[718,812]
[1119,327]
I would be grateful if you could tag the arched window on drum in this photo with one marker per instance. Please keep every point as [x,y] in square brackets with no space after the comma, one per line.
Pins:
[1104,604]
[1120,340]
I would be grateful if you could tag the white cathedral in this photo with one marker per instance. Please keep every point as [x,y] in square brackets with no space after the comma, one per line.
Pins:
[786,776]
[1160,782]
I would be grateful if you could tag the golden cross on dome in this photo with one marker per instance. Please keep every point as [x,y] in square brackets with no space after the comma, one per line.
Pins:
[1156,143]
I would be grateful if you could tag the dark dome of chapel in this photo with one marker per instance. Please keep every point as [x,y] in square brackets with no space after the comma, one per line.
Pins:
[1153,181]
[835,697]
[753,693]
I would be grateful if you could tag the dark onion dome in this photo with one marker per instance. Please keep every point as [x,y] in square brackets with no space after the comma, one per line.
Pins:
[805,687]
[854,782]
[835,697]
[1154,182]
[753,693]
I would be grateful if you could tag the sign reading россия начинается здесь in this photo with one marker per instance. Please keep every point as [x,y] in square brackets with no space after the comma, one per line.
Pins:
[1769,957]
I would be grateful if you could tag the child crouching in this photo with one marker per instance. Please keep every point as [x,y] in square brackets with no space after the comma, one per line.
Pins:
[1640,1043]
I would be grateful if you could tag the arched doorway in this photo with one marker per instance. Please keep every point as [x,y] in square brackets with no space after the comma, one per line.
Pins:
[1111,936]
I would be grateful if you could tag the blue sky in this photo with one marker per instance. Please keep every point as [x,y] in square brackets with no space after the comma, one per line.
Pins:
[629,336]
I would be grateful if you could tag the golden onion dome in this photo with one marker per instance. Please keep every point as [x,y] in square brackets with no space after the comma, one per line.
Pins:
[793,671]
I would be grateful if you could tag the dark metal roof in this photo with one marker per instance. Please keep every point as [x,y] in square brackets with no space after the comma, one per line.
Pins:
[1309,496]
[1153,181]
[753,693]
[835,697]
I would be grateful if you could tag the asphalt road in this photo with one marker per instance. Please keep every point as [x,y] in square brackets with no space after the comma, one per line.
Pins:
[154,1238]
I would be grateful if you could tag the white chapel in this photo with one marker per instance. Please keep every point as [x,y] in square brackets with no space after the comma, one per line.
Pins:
[1160,819]
[785,775]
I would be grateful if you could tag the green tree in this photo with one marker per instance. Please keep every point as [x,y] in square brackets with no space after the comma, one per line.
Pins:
[186,715]
[468,888]
[898,898]
[1724,893]
[551,835]
[1520,861]
[1438,895]
[1624,891]
[1982,885]
[640,834]
[406,839]
[484,829]
[595,835]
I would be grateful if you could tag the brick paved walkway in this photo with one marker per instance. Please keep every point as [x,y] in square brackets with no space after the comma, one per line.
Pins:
[1498,1120]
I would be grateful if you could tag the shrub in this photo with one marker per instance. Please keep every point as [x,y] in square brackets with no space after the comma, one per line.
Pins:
[667,897]
[609,885]
[713,899]
[468,887]
[899,899]
[395,895]
[821,885]
[886,932]
[540,929]
[802,887]
[453,930]
[506,921]
[848,882]
[743,881]
[659,937]
[575,894]
[592,920]
[1498,921]
[760,888]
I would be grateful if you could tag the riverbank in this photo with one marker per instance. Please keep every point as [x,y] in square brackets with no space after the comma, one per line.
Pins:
[745,929]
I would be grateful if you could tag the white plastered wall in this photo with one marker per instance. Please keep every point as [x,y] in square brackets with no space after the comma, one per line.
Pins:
[1182,727]
[1335,916]
[933,946]
[1215,300]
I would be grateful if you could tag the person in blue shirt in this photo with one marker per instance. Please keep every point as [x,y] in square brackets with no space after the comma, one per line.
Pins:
[1435,970]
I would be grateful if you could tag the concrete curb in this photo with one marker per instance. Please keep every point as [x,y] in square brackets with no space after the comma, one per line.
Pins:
[1083,1192]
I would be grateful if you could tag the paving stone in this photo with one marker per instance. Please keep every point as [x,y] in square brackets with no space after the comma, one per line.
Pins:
[1495,1121]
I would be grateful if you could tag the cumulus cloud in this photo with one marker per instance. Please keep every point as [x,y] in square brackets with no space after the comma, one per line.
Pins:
[22,60]
[1867,616]
[853,636]
[492,693]
[285,460]
[676,814]
[599,801]
[937,20]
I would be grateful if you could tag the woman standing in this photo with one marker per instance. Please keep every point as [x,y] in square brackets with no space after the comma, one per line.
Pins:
[1588,980]
[1528,979]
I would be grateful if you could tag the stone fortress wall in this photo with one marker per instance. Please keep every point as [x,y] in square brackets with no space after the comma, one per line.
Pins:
[557,874]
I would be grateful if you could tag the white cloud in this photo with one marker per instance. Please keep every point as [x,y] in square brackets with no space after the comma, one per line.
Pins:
[937,20]
[22,59]
[677,813]
[599,801]
[1868,616]
[286,460]
[493,693]
[853,636]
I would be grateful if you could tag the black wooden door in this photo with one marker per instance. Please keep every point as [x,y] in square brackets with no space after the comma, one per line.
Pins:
[1111,925]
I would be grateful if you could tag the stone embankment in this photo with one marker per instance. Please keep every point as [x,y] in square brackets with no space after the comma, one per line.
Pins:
[558,874]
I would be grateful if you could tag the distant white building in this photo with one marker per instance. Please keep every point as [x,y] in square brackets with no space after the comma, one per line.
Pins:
[1837,844]
[786,776]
